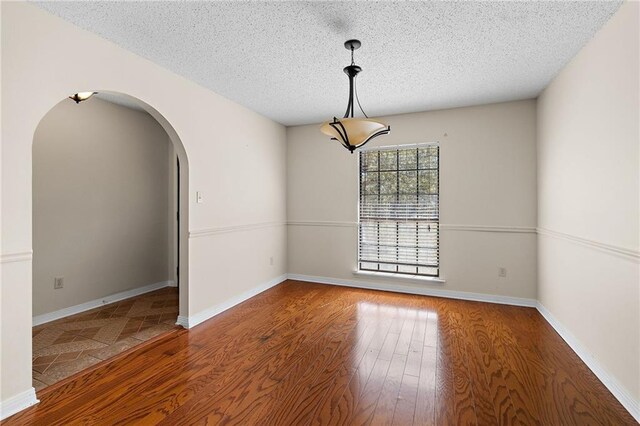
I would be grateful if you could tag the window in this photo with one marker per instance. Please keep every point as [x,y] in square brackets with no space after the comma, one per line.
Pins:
[399,218]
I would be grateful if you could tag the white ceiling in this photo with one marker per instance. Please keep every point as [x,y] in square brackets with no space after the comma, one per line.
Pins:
[285,59]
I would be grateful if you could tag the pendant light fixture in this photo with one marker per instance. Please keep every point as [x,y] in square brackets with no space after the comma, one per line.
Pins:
[352,132]
[81,96]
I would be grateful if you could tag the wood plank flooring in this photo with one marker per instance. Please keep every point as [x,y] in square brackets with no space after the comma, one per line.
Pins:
[310,354]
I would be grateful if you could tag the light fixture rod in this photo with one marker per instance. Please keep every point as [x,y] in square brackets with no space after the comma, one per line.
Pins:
[351,71]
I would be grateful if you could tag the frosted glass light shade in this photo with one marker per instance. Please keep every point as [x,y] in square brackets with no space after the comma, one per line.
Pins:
[354,132]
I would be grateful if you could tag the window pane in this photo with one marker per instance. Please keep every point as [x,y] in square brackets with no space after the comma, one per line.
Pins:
[407,233]
[428,158]
[369,161]
[369,266]
[407,269]
[408,159]
[388,182]
[408,182]
[369,200]
[428,181]
[428,271]
[429,206]
[370,183]
[388,160]
[427,233]
[387,204]
[407,207]
[369,233]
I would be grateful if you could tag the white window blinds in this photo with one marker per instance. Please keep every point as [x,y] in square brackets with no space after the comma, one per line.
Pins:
[399,218]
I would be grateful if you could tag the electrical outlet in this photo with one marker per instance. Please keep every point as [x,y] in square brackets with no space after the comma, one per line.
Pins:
[58,282]
[502,271]
[271,261]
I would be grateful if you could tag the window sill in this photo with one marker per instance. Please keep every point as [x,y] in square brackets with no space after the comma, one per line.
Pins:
[405,277]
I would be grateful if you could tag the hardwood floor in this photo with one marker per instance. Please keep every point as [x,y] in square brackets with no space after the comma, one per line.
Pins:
[307,354]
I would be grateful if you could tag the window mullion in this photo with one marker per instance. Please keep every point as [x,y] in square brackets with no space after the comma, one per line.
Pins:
[378,207]
[396,209]
[417,206]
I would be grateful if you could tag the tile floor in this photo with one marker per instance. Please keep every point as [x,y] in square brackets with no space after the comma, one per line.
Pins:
[64,347]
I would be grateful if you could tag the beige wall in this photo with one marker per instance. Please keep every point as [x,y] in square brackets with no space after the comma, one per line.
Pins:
[100,203]
[588,189]
[236,158]
[488,197]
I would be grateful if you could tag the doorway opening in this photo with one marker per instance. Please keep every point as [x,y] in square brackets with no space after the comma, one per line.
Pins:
[109,225]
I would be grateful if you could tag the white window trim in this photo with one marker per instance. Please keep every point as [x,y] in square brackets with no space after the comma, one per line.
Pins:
[407,277]
[394,147]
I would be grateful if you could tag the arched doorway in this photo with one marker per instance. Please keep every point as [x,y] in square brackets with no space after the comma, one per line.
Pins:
[148,120]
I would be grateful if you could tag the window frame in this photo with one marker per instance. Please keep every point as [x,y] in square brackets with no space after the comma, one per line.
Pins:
[359,268]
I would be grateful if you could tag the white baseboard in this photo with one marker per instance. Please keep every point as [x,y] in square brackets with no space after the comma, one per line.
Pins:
[423,291]
[193,320]
[72,310]
[19,402]
[183,321]
[619,392]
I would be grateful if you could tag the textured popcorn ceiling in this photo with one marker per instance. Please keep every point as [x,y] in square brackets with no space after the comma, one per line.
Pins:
[285,59]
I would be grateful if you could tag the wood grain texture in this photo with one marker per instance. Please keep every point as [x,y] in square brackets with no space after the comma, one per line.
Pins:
[302,354]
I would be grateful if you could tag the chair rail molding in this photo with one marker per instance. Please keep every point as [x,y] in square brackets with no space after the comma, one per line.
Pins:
[206,232]
[624,252]
[22,256]
[331,224]
[443,226]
